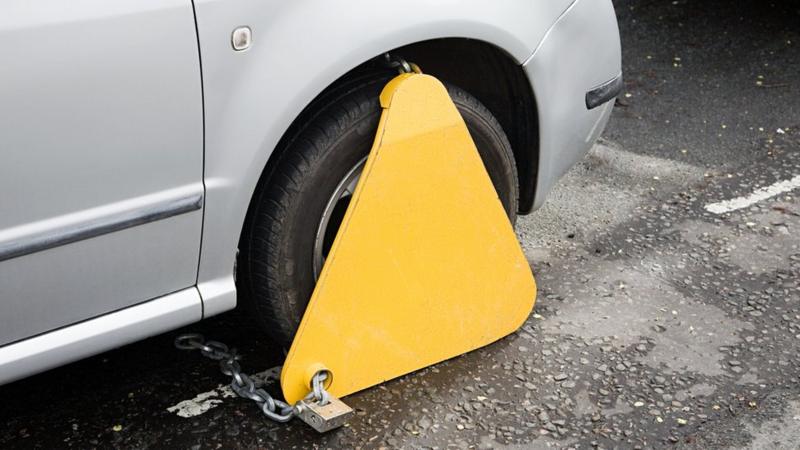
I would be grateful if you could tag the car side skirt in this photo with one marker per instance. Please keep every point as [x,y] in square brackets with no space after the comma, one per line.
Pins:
[97,335]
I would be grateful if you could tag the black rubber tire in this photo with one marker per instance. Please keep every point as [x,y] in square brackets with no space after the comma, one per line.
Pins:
[275,274]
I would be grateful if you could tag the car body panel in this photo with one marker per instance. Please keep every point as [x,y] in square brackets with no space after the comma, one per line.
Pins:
[101,117]
[580,52]
[143,96]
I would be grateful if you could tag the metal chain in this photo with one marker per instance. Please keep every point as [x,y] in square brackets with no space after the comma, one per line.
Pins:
[395,62]
[243,385]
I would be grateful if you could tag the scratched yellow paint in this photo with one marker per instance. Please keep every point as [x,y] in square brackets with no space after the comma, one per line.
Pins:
[425,266]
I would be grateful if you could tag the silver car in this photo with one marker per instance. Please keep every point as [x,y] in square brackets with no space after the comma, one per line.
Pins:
[162,161]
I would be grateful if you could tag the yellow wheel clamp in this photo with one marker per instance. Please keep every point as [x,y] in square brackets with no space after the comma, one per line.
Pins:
[425,265]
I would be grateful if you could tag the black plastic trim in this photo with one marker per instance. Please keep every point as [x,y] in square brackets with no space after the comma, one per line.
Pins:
[603,93]
[98,227]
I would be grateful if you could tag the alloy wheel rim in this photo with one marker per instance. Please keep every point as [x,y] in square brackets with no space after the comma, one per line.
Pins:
[333,214]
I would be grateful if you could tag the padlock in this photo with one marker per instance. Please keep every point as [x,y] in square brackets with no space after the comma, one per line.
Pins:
[326,417]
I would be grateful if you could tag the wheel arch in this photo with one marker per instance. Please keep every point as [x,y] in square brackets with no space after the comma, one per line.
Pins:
[487,72]
[250,103]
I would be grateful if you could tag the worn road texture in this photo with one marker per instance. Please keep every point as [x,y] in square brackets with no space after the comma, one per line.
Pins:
[658,322]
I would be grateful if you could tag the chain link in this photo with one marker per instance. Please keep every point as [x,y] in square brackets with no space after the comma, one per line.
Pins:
[396,62]
[243,385]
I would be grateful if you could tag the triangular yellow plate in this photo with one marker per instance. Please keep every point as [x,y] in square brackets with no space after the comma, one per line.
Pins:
[425,266]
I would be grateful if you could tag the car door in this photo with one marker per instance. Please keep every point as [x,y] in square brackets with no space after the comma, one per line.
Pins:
[101,158]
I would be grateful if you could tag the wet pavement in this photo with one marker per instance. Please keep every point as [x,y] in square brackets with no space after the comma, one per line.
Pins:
[659,323]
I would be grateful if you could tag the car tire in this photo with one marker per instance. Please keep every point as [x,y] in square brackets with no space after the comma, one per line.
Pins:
[276,271]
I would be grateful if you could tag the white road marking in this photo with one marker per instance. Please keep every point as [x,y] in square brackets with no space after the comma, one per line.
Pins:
[211,399]
[764,193]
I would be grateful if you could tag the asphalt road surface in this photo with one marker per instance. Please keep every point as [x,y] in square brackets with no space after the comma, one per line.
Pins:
[668,264]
